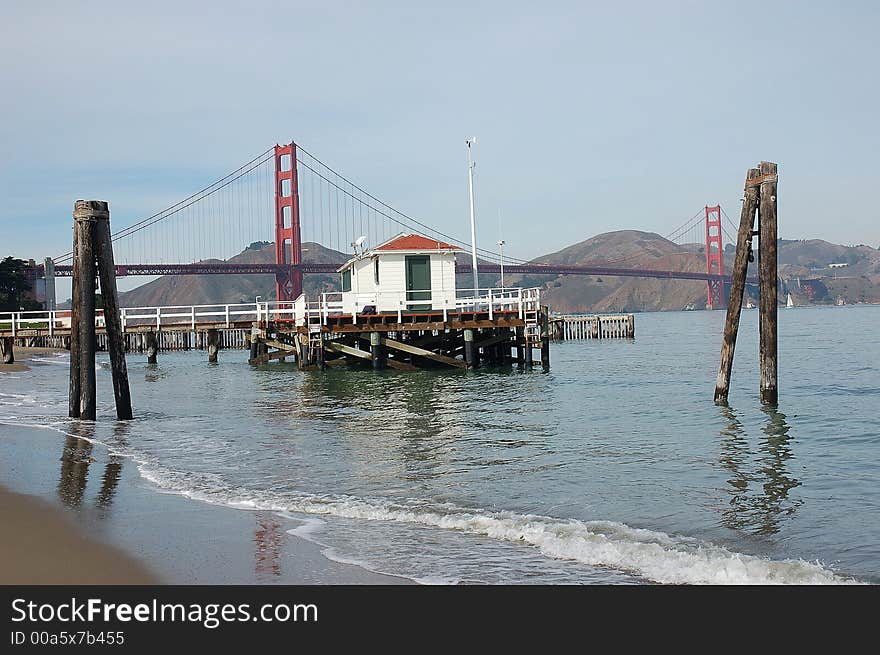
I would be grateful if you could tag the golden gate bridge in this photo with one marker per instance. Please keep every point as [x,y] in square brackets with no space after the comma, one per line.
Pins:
[289,197]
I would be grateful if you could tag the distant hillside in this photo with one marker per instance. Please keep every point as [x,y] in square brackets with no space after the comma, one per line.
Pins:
[816,271]
[206,289]
[627,249]
[805,269]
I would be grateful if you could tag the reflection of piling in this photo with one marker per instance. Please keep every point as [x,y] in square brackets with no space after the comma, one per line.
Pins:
[93,254]
[75,462]
[760,196]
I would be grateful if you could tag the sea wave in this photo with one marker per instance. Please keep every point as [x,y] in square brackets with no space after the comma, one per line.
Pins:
[652,555]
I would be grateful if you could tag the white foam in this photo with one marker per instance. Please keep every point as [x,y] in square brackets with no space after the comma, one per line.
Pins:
[53,360]
[652,555]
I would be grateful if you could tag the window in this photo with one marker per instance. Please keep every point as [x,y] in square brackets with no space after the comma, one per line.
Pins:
[346,279]
[376,271]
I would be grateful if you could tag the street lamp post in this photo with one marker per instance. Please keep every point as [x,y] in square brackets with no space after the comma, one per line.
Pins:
[501,249]
[470,142]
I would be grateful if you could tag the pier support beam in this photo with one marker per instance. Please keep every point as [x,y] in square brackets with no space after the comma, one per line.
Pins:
[469,357]
[377,351]
[520,342]
[151,345]
[6,349]
[213,345]
[545,339]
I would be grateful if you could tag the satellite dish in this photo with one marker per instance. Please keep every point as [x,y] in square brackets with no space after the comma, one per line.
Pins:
[357,243]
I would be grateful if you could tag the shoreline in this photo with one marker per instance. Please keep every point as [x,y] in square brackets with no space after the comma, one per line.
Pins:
[99,522]
[25,355]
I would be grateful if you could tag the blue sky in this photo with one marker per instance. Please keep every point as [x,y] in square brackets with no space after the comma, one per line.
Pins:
[590,117]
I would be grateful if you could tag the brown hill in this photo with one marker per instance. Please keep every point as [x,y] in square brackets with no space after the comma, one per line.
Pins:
[205,289]
[626,249]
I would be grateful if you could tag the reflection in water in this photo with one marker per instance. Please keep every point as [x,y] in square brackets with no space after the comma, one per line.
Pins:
[75,460]
[153,373]
[761,481]
[113,469]
[267,539]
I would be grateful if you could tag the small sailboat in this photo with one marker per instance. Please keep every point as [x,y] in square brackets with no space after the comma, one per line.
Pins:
[789,302]
[749,304]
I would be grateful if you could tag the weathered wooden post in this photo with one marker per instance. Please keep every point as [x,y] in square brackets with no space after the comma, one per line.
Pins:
[520,341]
[469,358]
[376,351]
[545,339]
[213,345]
[73,397]
[767,281]
[151,345]
[84,218]
[7,345]
[112,321]
[737,284]
[760,195]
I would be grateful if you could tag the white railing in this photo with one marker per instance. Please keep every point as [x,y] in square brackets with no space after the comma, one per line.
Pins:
[174,315]
[302,311]
[358,305]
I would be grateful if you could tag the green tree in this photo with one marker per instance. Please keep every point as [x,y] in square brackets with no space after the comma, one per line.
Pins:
[14,284]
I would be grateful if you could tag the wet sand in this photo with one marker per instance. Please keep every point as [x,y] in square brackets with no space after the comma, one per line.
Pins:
[72,513]
[42,545]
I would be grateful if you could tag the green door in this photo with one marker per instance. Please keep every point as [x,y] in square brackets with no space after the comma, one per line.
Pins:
[418,281]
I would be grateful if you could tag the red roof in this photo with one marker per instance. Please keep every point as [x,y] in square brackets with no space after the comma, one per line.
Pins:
[415,242]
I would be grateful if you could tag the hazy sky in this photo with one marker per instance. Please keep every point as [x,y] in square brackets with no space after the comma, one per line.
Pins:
[589,116]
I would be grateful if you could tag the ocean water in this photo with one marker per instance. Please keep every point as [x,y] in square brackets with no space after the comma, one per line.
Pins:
[614,467]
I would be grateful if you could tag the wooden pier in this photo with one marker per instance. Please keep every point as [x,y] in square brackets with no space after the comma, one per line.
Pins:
[597,326]
[498,328]
[478,332]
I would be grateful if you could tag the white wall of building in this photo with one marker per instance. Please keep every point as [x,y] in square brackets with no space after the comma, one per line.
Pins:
[391,290]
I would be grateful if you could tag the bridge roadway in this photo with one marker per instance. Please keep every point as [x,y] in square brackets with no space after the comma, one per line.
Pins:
[220,268]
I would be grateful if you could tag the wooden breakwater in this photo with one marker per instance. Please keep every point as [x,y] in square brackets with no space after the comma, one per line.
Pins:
[137,342]
[596,326]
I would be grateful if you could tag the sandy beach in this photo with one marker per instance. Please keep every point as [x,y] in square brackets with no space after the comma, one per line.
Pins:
[42,545]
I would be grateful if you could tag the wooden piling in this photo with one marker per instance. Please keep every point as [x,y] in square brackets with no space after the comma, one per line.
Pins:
[113,323]
[213,345]
[151,345]
[73,397]
[7,345]
[767,281]
[545,339]
[737,284]
[520,354]
[469,354]
[84,225]
[376,350]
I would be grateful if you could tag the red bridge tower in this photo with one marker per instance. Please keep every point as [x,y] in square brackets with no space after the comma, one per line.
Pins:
[716,298]
[288,244]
